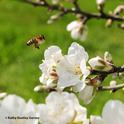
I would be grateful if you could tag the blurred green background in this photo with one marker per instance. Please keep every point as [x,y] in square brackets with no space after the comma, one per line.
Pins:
[19,71]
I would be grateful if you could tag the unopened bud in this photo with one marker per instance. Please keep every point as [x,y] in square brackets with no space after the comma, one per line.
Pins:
[53,18]
[55,1]
[73,8]
[38,88]
[97,63]
[107,57]
[121,26]
[100,2]
[109,22]
[119,9]
[49,21]
[113,83]
[121,75]
[41,1]
[123,89]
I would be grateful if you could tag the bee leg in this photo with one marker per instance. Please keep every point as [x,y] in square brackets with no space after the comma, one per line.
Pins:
[36,46]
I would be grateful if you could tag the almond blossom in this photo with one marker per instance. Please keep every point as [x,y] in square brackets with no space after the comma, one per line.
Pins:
[64,71]
[52,57]
[113,113]
[67,71]
[62,108]
[78,30]
[13,106]
[72,69]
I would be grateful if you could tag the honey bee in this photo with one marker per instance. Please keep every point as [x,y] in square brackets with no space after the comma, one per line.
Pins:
[36,41]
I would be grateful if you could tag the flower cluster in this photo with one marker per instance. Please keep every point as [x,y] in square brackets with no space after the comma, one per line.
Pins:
[60,108]
[66,71]
[62,72]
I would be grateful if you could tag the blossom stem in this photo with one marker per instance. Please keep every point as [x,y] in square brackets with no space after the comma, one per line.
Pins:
[112,88]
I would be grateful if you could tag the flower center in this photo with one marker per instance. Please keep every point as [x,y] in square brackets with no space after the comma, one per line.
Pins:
[77,70]
[53,74]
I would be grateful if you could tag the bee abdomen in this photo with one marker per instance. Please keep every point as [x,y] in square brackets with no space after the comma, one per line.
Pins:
[30,42]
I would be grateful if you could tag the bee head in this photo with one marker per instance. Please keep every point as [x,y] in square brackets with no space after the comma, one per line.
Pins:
[41,37]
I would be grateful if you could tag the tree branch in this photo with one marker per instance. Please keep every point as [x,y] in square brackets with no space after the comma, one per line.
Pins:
[77,10]
[114,70]
[100,77]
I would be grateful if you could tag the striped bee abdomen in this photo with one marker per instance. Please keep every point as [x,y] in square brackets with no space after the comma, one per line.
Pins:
[30,42]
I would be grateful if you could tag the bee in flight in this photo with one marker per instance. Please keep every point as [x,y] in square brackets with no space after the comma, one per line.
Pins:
[36,41]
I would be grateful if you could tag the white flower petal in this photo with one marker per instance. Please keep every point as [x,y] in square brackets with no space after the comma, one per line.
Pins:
[61,108]
[95,62]
[81,114]
[84,69]
[72,25]
[78,87]
[14,104]
[66,74]
[52,56]
[113,112]
[87,94]
[75,34]
[96,120]
[86,121]
[43,79]
[67,79]
[4,113]
[76,49]
[53,52]
[30,107]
